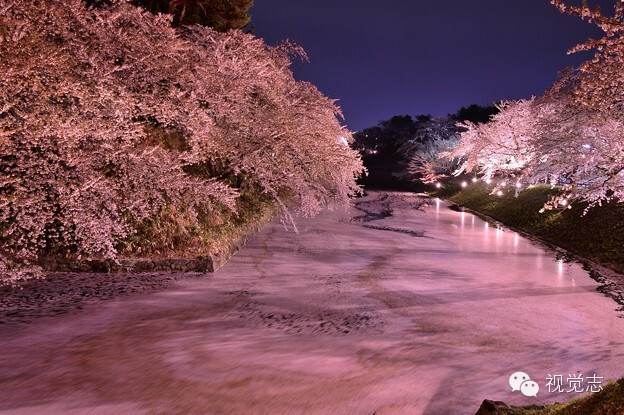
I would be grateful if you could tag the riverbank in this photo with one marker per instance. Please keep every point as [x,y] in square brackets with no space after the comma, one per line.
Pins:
[69,287]
[595,238]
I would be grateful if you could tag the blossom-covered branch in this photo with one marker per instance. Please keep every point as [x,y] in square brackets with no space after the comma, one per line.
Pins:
[81,92]
[573,135]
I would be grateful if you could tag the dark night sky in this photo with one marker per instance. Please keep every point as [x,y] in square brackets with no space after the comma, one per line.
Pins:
[387,57]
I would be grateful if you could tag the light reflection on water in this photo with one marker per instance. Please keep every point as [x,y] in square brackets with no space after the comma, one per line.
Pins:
[539,261]
[500,240]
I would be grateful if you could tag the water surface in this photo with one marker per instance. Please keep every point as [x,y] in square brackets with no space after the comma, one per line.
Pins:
[399,306]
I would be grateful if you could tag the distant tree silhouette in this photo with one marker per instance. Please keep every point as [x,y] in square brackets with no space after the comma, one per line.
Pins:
[389,148]
[221,15]
[476,113]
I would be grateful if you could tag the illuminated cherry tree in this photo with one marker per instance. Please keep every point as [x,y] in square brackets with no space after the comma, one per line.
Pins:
[504,145]
[80,90]
[434,137]
[572,136]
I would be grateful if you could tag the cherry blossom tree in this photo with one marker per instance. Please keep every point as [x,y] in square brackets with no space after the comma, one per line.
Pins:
[572,136]
[502,146]
[433,138]
[81,89]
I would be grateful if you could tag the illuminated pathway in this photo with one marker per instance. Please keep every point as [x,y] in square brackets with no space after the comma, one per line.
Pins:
[424,311]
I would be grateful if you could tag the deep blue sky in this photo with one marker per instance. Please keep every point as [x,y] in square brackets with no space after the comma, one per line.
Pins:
[387,57]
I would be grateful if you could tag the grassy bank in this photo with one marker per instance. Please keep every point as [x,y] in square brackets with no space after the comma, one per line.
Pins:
[597,235]
[609,401]
[171,241]
[169,235]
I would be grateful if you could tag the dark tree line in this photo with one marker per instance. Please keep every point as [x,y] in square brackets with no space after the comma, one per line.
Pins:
[386,147]
[221,15]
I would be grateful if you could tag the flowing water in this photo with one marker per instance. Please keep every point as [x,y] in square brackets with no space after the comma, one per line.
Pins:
[400,306]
